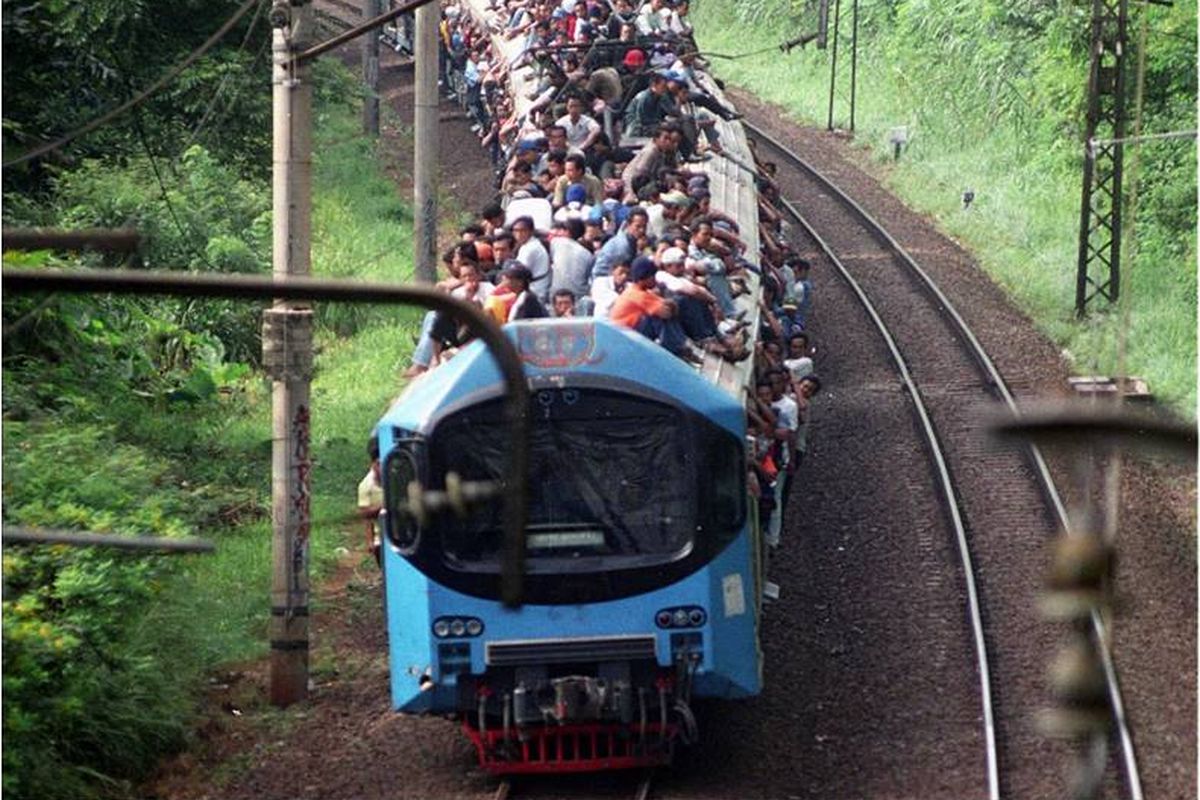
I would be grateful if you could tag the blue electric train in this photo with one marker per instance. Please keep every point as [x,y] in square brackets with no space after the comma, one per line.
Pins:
[642,580]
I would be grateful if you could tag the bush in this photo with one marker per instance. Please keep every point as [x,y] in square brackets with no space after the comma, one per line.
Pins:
[142,417]
[81,705]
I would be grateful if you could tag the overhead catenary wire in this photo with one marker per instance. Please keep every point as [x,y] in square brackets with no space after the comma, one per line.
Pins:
[1139,138]
[186,235]
[212,104]
[138,99]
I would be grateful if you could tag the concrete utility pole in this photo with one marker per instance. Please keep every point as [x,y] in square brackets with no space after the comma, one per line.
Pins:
[288,354]
[370,59]
[425,162]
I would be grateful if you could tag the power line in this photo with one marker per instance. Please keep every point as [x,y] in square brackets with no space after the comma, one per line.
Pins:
[140,98]
[1093,144]
[185,235]
[212,105]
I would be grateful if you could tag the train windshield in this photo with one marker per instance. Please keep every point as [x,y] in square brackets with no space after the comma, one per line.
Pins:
[612,478]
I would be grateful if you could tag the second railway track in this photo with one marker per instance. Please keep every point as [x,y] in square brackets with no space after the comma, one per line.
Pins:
[1007,512]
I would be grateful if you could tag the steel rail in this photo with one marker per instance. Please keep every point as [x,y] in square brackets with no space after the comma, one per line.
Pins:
[953,504]
[1045,480]
[309,289]
[645,784]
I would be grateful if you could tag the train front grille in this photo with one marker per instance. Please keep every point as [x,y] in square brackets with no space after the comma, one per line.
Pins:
[521,652]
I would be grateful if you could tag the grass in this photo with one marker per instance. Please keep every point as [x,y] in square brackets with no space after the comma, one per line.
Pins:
[1023,225]
[222,600]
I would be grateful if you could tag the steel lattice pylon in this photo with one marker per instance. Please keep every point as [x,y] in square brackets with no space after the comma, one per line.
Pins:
[1099,271]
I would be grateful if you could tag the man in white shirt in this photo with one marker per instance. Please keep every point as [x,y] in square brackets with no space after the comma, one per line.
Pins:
[570,261]
[447,332]
[787,419]
[532,253]
[581,129]
[650,20]
[607,288]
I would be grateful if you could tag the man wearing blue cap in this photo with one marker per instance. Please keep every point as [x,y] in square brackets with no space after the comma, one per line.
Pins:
[575,173]
[639,307]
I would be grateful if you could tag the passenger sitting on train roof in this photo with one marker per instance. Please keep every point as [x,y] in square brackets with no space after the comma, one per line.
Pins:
[644,311]
[533,255]
[491,218]
[527,152]
[581,129]
[601,158]
[556,161]
[673,204]
[633,60]
[574,172]
[703,260]
[623,14]
[563,304]
[486,258]
[650,19]
[694,307]
[648,108]
[503,248]
[659,213]
[623,246]
[684,66]
[447,332]
[513,300]
[593,233]
[659,155]
[693,121]
[570,261]
[607,288]
[575,207]
[556,142]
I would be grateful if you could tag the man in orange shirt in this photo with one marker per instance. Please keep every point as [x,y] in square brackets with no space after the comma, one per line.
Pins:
[641,309]
[639,300]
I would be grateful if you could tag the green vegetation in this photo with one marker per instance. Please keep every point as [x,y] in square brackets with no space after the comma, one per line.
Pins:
[992,95]
[147,416]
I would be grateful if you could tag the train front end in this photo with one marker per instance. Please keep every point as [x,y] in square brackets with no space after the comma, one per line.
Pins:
[640,588]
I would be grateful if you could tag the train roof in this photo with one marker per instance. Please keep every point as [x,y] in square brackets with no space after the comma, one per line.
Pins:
[567,352]
[731,182]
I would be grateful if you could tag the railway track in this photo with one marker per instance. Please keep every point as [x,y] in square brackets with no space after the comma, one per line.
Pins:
[506,789]
[947,384]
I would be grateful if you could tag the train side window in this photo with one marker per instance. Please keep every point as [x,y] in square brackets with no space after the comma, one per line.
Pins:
[722,487]
[401,528]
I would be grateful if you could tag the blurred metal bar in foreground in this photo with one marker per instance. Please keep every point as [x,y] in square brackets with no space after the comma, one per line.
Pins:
[254,287]
[104,240]
[161,544]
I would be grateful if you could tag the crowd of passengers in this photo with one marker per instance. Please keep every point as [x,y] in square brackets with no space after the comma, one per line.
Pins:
[602,211]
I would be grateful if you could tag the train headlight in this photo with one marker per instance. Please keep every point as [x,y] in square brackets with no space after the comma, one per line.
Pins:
[458,627]
[663,619]
[474,627]
[696,617]
[441,629]
[680,618]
